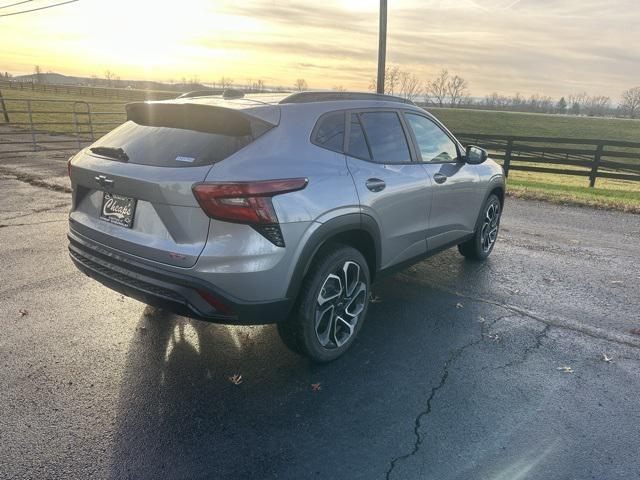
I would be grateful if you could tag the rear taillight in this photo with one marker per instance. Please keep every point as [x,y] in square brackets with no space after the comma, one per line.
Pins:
[247,202]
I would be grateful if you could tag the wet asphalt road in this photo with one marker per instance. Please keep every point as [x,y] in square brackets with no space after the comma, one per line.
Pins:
[454,376]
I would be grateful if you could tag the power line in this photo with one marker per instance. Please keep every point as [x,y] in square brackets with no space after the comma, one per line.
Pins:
[36,9]
[14,4]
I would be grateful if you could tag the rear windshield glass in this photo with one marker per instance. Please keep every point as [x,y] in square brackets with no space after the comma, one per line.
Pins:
[172,147]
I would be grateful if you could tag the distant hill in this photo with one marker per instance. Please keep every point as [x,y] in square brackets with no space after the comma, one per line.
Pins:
[53,78]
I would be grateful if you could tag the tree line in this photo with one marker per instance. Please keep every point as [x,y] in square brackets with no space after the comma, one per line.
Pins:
[446,89]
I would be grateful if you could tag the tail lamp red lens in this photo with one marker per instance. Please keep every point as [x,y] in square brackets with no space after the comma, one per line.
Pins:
[244,202]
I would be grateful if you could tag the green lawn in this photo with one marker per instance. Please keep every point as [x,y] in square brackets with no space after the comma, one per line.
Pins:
[610,194]
[537,125]
[57,112]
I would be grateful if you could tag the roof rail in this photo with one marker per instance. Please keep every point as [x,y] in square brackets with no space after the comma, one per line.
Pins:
[305,97]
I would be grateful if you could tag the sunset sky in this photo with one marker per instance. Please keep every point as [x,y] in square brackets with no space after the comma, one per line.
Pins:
[552,47]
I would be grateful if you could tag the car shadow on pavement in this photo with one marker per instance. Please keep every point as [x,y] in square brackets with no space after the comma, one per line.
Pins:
[180,415]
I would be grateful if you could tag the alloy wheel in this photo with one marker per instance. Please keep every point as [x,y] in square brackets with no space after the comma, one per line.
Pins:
[490,226]
[341,300]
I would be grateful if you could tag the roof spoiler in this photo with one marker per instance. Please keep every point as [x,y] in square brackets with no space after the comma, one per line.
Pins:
[197,117]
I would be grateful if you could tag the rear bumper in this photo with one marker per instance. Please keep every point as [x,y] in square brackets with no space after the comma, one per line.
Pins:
[176,292]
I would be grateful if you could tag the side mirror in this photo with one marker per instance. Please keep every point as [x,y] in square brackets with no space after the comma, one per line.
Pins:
[476,155]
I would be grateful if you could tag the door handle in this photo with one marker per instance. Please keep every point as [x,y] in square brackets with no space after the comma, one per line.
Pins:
[440,178]
[375,184]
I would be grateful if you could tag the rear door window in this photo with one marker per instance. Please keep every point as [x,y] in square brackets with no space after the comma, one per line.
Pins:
[386,137]
[330,131]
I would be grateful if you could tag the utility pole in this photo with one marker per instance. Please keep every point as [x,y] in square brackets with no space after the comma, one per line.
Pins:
[382,46]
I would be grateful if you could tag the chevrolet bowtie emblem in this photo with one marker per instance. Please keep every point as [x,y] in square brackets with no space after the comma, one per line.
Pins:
[103,180]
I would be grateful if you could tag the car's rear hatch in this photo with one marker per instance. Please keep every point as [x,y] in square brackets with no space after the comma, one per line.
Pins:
[133,187]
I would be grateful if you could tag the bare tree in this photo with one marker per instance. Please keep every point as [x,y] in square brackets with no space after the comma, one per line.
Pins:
[391,80]
[438,88]
[259,85]
[301,84]
[540,104]
[457,90]
[225,82]
[38,73]
[577,102]
[630,102]
[109,76]
[410,86]
[339,88]
[598,105]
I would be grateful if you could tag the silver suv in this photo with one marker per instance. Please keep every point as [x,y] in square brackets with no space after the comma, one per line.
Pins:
[276,210]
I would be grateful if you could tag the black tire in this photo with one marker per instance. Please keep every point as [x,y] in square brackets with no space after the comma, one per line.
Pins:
[484,239]
[301,332]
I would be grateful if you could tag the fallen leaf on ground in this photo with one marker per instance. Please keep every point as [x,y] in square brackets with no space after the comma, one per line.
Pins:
[459,305]
[635,331]
[236,379]
[316,387]
[494,336]
[481,319]
[617,282]
[606,358]
[565,369]
[22,312]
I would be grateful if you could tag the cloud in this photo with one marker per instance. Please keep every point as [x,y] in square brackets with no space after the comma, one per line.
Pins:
[546,46]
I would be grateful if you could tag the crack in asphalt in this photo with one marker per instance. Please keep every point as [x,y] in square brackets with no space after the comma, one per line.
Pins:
[542,334]
[453,356]
[418,420]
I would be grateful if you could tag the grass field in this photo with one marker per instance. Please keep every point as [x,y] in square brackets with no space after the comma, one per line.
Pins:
[59,117]
[615,194]
[534,124]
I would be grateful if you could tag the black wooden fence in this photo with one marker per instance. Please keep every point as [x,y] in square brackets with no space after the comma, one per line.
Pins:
[563,156]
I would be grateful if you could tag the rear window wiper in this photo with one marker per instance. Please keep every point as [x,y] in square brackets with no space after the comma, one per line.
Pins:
[111,152]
